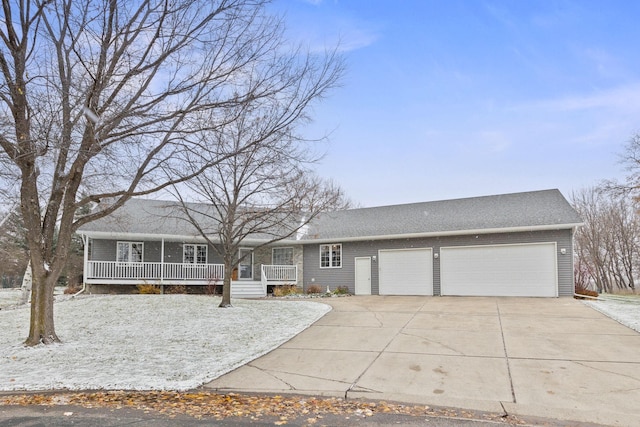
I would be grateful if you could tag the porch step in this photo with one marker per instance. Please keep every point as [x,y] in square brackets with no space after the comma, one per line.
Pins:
[247,289]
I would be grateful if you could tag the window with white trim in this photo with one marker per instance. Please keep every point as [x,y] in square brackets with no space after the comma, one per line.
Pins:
[331,256]
[130,252]
[282,256]
[194,254]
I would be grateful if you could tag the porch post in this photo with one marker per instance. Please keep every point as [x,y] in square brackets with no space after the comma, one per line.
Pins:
[85,268]
[162,263]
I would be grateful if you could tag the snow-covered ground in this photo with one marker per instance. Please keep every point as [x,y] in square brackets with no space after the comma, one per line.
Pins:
[12,297]
[9,297]
[158,342]
[625,310]
[146,342]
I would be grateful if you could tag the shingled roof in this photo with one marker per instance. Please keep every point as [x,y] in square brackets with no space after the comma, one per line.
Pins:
[535,210]
[144,217]
[546,209]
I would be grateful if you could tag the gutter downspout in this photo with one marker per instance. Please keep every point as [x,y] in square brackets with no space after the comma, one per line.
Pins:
[84,288]
[587,297]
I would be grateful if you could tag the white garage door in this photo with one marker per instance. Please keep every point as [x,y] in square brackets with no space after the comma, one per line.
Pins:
[405,272]
[500,270]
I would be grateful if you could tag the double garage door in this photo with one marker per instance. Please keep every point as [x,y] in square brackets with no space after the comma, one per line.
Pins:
[496,270]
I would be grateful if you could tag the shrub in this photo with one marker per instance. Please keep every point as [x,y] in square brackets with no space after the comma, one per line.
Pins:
[284,290]
[148,289]
[175,289]
[314,289]
[341,290]
[213,287]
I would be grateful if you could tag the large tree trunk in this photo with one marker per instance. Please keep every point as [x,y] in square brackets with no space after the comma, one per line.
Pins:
[226,285]
[42,329]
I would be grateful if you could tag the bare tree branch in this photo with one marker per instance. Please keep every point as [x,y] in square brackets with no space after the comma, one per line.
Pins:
[108,99]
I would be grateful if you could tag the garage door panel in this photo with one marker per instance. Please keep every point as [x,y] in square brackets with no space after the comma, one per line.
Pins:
[500,270]
[405,272]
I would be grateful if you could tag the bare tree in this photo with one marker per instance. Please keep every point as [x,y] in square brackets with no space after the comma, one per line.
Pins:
[110,98]
[608,243]
[13,254]
[630,158]
[265,193]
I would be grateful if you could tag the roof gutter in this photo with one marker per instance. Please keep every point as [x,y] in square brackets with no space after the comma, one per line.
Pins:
[151,236]
[308,240]
[572,226]
[141,236]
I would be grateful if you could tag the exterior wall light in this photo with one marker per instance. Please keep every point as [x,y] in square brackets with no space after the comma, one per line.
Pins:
[563,251]
[436,255]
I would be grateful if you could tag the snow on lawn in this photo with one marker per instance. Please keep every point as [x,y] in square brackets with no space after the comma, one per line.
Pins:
[146,342]
[10,297]
[624,310]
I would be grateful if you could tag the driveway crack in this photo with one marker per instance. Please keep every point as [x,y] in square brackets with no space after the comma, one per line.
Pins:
[376,315]
[606,371]
[506,356]
[273,375]
[433,342]
[400,331]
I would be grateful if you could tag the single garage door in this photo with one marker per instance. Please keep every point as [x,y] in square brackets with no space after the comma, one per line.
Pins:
[405,272]
[500,270]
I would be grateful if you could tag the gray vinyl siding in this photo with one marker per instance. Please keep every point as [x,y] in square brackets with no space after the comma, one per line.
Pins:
[345,276]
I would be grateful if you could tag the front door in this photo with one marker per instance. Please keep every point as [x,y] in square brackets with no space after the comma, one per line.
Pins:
[245,266]
[363,275]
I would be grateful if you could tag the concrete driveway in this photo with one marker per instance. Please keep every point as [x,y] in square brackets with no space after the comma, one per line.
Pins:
[553,357]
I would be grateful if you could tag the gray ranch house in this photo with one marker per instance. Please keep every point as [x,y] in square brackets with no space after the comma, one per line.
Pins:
[518,244]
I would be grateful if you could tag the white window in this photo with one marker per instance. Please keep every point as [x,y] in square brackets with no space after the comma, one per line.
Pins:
[245,267]
[331,256]
[282,256]
[194,254]
[130,252]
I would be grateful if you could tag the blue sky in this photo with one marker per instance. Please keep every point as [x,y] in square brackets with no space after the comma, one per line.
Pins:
[461,98]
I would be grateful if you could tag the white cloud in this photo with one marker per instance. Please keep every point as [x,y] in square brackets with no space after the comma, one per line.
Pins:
[357,38]
[322,25]
[626,98]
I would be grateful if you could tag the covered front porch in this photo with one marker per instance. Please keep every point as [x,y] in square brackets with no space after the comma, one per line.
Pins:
[187,274]
[115,259]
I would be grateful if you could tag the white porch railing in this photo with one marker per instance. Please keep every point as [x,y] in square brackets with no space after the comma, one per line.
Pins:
[153,270]
[280,273]
[172,272]
[193,271]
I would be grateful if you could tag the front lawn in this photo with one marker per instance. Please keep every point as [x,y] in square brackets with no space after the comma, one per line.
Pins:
[146,342]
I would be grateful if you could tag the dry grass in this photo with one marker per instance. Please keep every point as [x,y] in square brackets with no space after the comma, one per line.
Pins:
[284,290]
[148,289]
[314,289]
